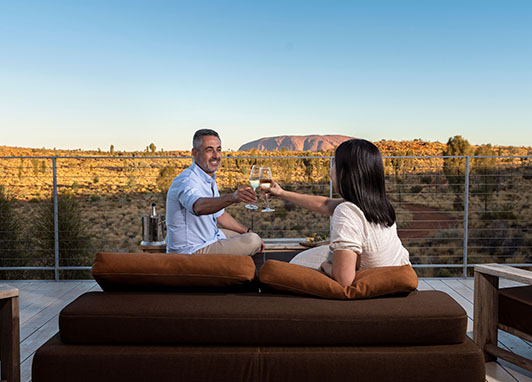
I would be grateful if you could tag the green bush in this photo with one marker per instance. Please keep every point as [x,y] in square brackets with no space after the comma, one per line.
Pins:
[10,234]
[416,189]
[75,244]
[165,178]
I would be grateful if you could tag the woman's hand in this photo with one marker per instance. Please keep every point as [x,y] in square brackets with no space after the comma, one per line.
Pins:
[274,189]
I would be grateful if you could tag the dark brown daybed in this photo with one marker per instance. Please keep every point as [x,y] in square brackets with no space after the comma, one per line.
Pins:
[218,335]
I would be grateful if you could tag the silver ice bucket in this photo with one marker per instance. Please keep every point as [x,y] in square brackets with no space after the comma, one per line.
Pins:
[153,229]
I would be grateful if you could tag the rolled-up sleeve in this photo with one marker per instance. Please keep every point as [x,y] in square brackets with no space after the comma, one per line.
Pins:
[347,229]
[188,192]
[187,195]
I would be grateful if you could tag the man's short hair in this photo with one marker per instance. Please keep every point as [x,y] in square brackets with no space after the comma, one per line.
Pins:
[198,137]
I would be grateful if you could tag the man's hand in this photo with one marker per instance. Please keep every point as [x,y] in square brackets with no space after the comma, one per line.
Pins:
[244,194]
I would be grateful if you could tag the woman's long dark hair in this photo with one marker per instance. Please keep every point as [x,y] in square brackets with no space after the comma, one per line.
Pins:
[360,180]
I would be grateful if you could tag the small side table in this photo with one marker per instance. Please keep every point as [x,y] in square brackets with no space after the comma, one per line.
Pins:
[9,334]
[486,311]
[160,248]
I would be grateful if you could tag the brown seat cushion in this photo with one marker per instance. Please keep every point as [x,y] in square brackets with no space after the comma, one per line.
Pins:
[515,308]
[368,283]
[59,362]
[421,318]
[165,271]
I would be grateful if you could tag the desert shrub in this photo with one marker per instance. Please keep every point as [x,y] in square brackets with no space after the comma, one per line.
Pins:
[131,182]
[506,213]
[35,164]
[165,178]
[454,167]
[75,244]
[425,272]
[10,232]
[281,213]
[426,179]
[484,172]
[448,272]
[416,189]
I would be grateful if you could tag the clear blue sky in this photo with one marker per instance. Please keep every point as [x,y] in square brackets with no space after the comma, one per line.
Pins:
[88,74]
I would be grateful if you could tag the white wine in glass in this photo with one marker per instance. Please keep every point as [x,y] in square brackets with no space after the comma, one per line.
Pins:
[266,181]
[254,180]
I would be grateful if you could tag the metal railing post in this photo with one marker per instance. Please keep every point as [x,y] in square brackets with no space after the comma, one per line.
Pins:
[330,189]
[56,222]
[330,179]
[466,214]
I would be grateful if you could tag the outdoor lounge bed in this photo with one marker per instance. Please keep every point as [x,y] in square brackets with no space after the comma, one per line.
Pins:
[147,333]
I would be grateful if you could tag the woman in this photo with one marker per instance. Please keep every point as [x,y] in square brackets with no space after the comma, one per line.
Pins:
[363,229]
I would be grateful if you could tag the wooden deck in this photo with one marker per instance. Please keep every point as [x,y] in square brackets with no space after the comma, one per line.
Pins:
[41,302]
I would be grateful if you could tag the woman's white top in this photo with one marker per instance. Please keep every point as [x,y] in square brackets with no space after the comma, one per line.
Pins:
[377,245]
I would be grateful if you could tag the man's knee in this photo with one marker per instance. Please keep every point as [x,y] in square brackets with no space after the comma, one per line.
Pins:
[252,241]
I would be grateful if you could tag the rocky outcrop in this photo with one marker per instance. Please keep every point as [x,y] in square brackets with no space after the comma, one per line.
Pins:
[296,143]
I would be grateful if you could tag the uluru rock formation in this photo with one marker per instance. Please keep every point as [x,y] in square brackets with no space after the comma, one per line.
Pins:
[296,143]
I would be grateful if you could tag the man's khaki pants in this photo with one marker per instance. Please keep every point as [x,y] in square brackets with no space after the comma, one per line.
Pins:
[245,244]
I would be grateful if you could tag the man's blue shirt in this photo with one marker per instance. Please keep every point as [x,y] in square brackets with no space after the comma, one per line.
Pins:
[188,232]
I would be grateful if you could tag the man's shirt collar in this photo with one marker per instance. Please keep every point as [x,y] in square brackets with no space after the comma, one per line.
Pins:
[202,174]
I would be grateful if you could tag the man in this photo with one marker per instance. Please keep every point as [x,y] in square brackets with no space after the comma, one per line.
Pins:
[194,207]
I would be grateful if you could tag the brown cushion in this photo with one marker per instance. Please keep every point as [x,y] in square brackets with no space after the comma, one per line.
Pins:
[420,318]
[58,362]
[368,283]
[141,271]
[515,308]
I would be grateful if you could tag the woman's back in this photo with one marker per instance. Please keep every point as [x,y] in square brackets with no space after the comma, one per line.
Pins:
[377,245]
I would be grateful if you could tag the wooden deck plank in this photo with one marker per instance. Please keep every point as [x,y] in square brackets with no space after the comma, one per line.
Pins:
[53,308]
[461,289]
[28,293]
[38,338]
[42,297]
[22,286]
[496,373]
[469,283]
[505,283]
[40,290]
[518,373]
[423,285]
[438,284]
[25,369]
[39,329]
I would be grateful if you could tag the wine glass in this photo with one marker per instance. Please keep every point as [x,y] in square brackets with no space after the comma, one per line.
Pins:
[254,179]
[266,181]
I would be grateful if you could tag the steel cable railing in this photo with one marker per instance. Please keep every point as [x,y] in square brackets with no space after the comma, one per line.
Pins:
[56,212]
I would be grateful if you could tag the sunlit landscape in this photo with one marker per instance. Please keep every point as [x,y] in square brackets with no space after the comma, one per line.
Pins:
[106,193]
